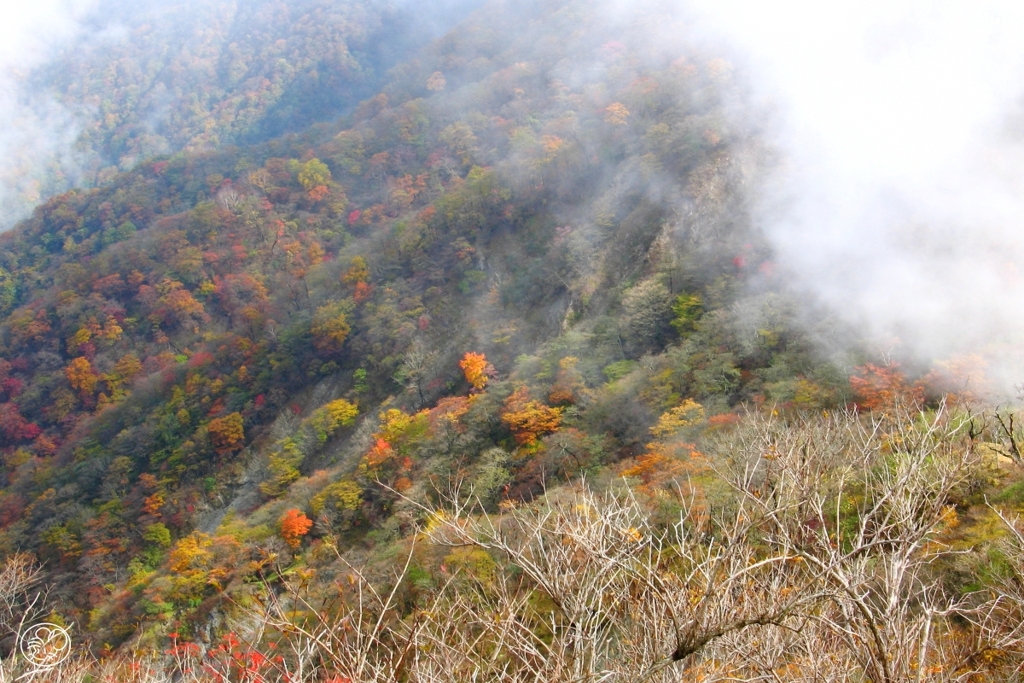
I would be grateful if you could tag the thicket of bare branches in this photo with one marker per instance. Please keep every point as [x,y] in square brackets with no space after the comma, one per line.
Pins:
[814,554]
[821,567]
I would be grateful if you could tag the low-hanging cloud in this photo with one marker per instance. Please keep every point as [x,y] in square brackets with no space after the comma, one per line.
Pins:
[899,198]
[36,132]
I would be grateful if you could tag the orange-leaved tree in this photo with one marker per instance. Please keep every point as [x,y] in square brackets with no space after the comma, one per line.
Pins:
[227,433]
[568,383]
[379,453]
[529,419]
[616,114]
[362,292]
[294,525]
[393,447]
[881,386]
[81,376]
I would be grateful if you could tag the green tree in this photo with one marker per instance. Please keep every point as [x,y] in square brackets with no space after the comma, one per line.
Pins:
[687,309]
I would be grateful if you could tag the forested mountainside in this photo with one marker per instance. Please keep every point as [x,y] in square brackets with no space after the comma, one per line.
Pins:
[492,378]
[150,77]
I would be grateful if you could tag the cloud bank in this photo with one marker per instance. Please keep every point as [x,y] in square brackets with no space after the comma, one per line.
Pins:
[899,200]
[36,132]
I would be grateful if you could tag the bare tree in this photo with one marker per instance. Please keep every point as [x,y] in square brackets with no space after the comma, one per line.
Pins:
[22,597]
[820,567]
[356,633]
[1007,432]
[628,600]
[862,503]
[998,617]
[414,368]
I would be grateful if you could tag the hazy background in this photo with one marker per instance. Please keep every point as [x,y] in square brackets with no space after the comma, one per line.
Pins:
[36,132]
[93,87]
[900,195]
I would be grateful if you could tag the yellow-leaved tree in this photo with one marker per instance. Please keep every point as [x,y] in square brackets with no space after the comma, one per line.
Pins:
[474,366]
[687,414]
[330,327]
[329,418]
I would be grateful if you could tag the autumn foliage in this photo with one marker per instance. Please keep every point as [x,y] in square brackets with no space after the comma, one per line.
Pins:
[294,526]
[881,386]
[474,366]
[13,426]
[329,418]
[686,414]
[237,352]
[616,114]
[330,328]
[227,433]
[529,419]
[357,272]
[81,376]
[362,292]
[656,466]
[379,453]
[448,412]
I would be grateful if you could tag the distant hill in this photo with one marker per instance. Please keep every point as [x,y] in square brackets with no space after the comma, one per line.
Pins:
[152,77]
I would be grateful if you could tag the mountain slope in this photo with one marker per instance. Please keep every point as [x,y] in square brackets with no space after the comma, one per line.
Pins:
[214,338]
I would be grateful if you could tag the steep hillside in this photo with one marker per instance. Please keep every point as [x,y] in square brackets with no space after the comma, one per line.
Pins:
[157,327]
[526,262]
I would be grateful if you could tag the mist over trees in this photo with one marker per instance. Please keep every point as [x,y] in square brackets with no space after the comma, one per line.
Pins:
[138,79]
[478,369]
